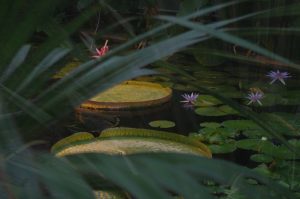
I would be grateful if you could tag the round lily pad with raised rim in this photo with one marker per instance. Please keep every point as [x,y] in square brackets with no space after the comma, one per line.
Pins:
[130,95]
[132,140]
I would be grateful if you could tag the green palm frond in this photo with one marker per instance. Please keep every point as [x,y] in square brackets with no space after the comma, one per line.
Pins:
[29,105]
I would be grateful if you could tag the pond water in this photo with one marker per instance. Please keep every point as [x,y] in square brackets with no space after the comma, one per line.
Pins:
[210,121]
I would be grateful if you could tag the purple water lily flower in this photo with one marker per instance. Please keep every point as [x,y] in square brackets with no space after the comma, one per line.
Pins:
[277,75]
[190,99]
[255,97]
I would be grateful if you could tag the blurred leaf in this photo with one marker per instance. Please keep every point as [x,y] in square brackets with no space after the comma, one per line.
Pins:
[207,100]
[240,124]
[261,158]
[135,170]
[223,148]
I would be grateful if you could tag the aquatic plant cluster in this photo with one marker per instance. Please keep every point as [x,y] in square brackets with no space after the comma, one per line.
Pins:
[253,96]
[257,96]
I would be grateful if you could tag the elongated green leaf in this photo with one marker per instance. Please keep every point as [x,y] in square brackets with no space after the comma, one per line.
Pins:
[25,105]
[227,37]
[47,62]
[16,62]
[11,39]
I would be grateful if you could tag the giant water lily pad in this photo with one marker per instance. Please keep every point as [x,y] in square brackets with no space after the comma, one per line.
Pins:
[128,95]
[131,140]
[73,138]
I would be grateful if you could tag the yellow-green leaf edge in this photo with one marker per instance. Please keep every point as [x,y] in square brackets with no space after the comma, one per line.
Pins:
[132,133]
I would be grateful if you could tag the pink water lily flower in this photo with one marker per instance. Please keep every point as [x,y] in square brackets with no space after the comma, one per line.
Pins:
[102,51]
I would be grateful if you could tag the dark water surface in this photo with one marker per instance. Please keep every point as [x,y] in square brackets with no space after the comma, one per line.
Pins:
[186,120]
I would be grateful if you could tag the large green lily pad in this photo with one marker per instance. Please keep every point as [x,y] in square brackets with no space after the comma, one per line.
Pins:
[128,95]
[73,138]
[131,140]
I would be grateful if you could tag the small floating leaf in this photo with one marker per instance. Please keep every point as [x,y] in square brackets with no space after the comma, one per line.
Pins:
[215,111]
[209,111]
[223,148]
[263,169]
[228,109]
[240,124]
[207,100]
[254,144]
[261,158]
[254,133]
[213,125]
[162,124]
